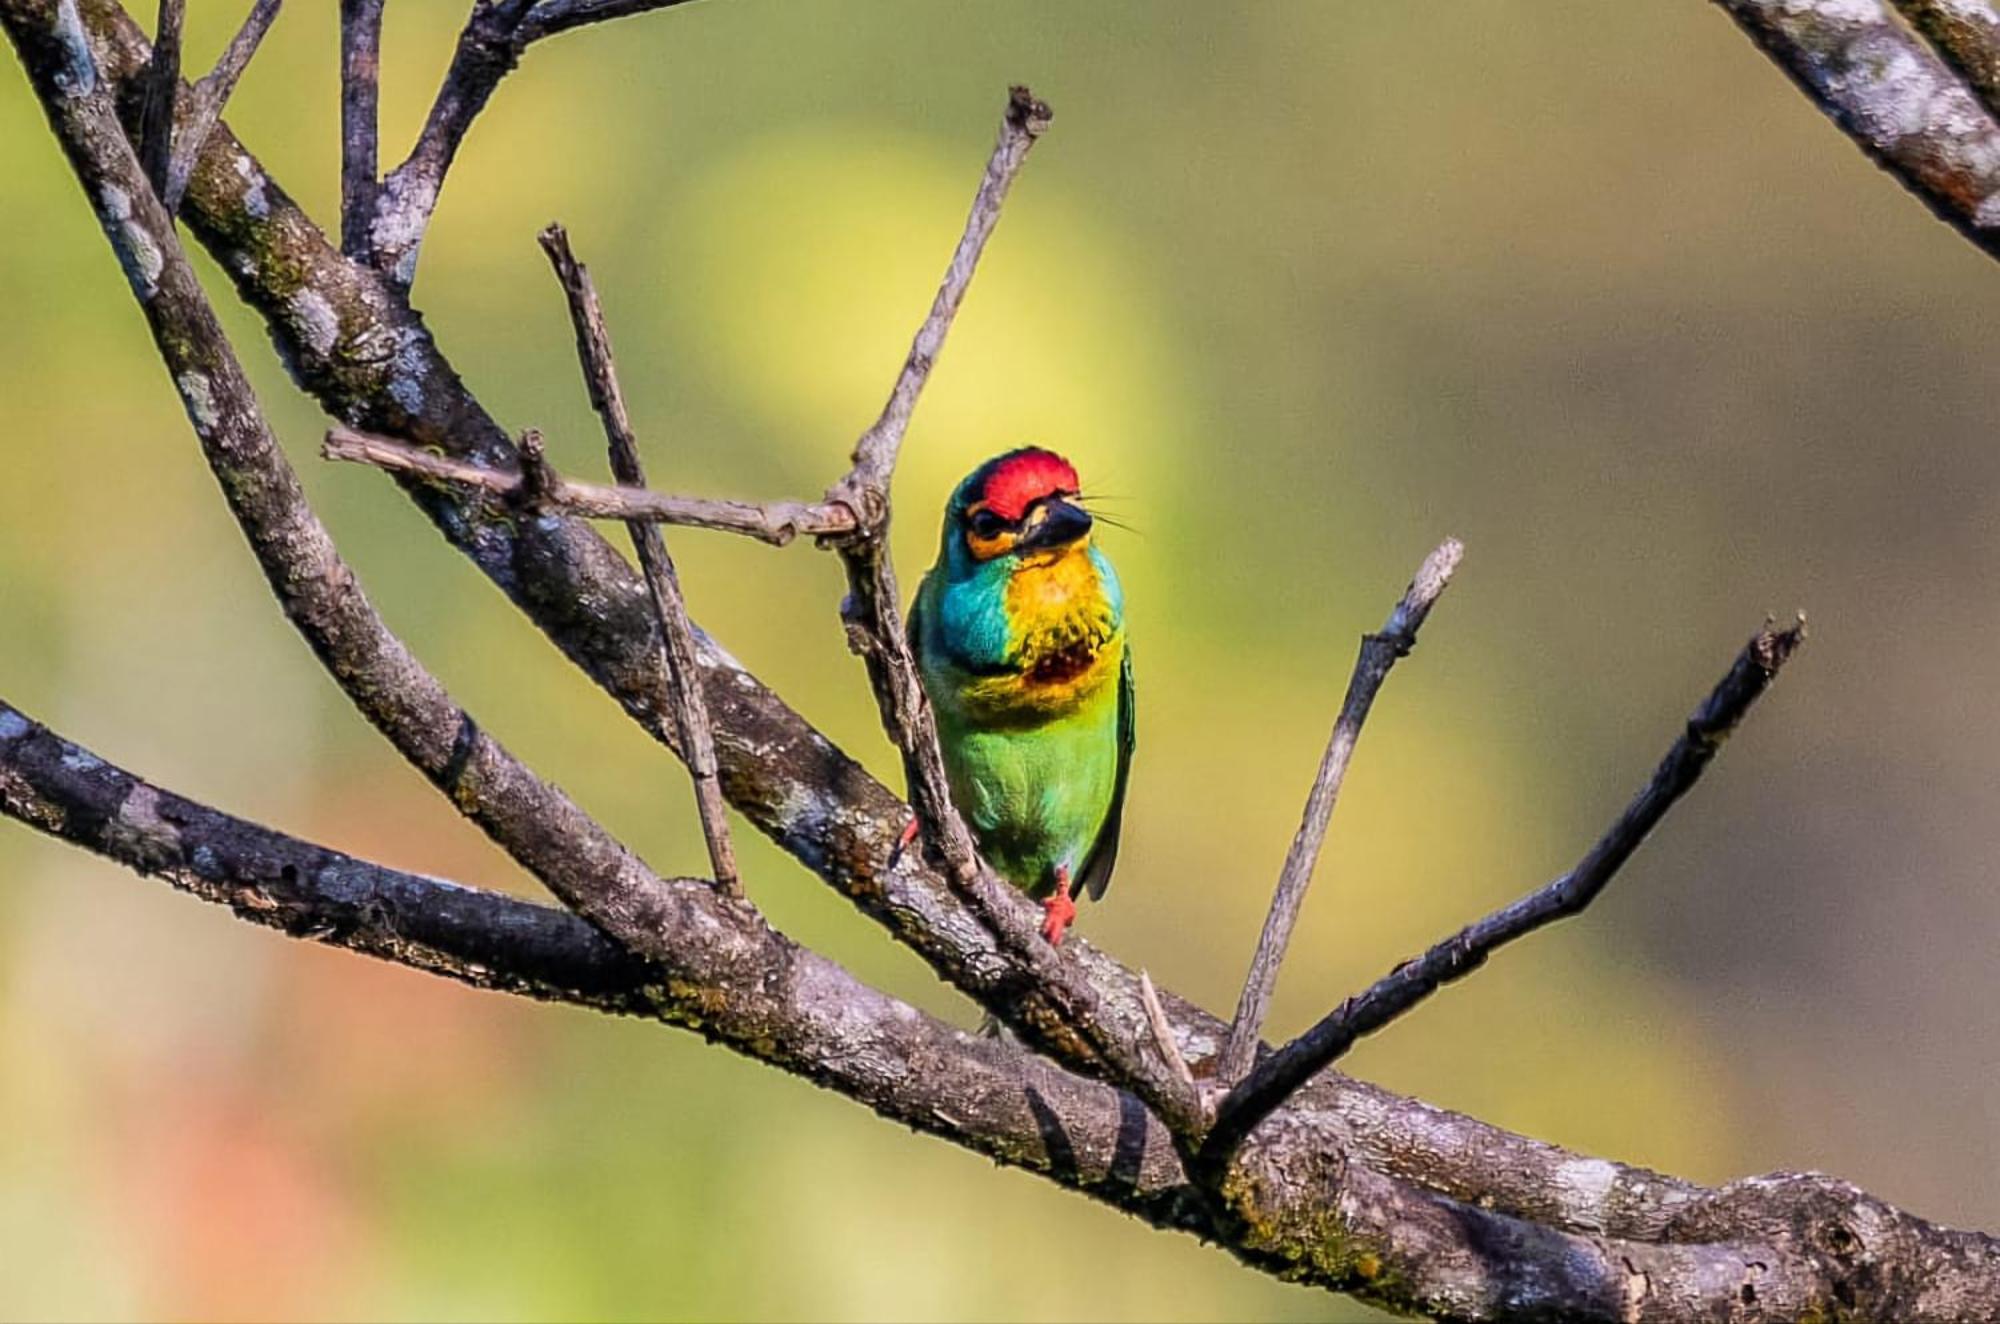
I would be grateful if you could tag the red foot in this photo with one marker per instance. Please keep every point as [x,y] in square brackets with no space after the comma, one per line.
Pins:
[903,842]
[1058,911]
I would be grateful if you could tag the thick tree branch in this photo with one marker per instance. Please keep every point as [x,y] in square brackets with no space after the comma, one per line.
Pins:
[360,98]
[1886,90]
[593,347]
[1379,652]
[1797,1244]
[1278,1075]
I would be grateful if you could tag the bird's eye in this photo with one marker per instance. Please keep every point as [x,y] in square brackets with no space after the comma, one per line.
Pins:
[986,525]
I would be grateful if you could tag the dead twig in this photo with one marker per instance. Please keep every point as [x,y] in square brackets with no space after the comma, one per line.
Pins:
[775,522]
[163,81]
[360,97]
[600,371]
[1379,652]
[1278,1075]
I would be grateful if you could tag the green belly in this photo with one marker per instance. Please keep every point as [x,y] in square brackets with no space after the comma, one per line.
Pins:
[1037,796]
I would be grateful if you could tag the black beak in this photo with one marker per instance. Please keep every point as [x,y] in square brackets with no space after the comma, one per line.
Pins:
[1060,524]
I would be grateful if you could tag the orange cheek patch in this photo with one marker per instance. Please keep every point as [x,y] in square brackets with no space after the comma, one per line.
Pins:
[985,549]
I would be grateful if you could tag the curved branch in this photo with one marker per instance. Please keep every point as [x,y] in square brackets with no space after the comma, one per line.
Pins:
[1295,1208]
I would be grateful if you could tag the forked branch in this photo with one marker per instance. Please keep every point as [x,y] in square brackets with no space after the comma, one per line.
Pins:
[1284,1071]
[1379,652]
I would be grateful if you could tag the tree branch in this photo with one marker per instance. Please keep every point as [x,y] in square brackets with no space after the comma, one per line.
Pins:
[1379,652]
[163,81]
[1886,90]
[494,38]
[1301,1202]
[208,96]
[1967,34]
[731,978]
[360,96]
[1278,1075]
[593,347]
[774,522]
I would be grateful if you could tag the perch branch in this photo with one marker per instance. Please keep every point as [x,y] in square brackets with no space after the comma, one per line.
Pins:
[1889,92]
[600,371]
[728,976]
[876,629]
[163,83]
[1278,1075]
[360,100]
[1379,652]
[210,94]
[775,522]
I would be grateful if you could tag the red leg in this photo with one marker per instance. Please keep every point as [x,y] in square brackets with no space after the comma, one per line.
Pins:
[903,842]
[1058,911]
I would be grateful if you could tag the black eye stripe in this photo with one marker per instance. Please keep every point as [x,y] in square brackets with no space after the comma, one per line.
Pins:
[987,524]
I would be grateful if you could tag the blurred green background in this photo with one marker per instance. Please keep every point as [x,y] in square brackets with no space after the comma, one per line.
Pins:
[1305,287]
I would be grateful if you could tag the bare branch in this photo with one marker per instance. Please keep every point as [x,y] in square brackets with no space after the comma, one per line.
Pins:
[1967,34]
[1889,92]
[208,96]
[163,82]
[876,631]
[1379,652]
[495,36]
[873,615]
[593,347]
[1278,1075]
[775,522]
[360,97]
[875,453]
[730,977]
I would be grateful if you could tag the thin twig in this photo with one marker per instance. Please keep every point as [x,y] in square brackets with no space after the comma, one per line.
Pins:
[600,371]
[776,522]
[209,95]
[875,453]
[1278,1075]
[1379,652]
[360,97]
[874,619]
[1163,1031]
[163,82]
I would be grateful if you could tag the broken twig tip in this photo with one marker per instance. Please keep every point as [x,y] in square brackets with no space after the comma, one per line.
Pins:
[1028,112]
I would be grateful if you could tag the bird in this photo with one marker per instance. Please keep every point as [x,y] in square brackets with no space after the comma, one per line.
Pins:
[1018,632]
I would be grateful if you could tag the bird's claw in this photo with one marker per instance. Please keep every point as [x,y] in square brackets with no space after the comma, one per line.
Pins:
[909,835]
[1057,913]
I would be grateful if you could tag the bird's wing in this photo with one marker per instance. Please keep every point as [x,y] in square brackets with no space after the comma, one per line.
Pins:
[1096,875]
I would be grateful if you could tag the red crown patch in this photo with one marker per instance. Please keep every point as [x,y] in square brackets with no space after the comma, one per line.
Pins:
[1019,480]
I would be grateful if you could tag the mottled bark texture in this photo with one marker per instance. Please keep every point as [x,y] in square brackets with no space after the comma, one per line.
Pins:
[1894,96]
[1345,1185]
